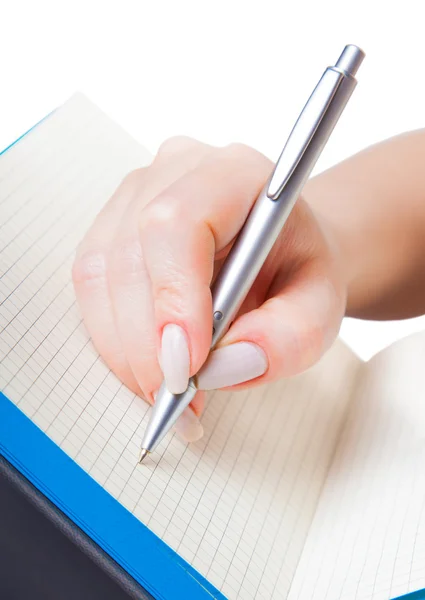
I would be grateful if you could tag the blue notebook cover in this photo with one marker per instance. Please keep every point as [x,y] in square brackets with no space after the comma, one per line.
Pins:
[153,564]
[419,595]
[130,543]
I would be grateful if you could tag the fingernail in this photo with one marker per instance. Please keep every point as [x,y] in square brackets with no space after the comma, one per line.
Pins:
[188,426]
[175,358]
[231,365]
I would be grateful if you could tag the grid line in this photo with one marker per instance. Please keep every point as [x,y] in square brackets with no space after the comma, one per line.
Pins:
[225,502]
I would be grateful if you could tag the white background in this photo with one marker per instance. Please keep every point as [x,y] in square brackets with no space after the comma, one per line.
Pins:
[221,71]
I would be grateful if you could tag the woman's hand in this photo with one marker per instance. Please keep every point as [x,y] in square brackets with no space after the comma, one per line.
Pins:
[143,272]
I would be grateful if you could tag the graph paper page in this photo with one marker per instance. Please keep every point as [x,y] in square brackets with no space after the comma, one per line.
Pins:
[237,505]
[367,540]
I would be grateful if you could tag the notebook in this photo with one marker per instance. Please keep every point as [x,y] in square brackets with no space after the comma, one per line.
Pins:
[311,487]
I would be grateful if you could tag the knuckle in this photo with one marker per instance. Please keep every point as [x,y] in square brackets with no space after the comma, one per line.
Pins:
[126,257]
[294,344]
[133,177]
[241,151]
[169,297]
[171,291]
[311,337]
[89,267]
[129,186]
[176,145]
[163,212]
[309,342]
[237,148]
[256,165]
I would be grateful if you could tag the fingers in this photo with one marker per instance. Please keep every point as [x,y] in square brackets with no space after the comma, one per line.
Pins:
[282,338]
[128,279]
[294,326]
[112,285]
[131,299]
[188,426]
[144,270]
[91,283]
[181,230]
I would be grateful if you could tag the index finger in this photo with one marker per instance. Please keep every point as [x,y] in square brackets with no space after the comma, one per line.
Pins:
[181,230]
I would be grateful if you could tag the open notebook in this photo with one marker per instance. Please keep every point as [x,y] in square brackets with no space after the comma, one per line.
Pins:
[312,488]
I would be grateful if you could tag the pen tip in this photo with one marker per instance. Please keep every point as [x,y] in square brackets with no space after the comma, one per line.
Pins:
[142,455]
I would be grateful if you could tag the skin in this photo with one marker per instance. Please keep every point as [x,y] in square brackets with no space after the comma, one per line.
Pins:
[354,245]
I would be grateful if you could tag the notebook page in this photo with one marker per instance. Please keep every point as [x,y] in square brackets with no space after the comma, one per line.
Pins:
[367,540]
[237,505]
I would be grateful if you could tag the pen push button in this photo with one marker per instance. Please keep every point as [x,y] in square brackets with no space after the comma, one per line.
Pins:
[217,316]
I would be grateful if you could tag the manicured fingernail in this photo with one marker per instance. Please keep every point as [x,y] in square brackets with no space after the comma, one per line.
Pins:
[231,365]
[175,358]
[188,427]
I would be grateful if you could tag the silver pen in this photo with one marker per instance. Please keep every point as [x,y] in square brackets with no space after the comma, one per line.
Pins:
[265,222]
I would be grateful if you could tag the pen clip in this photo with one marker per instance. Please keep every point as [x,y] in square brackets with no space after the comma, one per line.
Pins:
[304,130]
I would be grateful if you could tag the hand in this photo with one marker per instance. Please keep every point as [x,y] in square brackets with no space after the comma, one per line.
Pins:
[143,272]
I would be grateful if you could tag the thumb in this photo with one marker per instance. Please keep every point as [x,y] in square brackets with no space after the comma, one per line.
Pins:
[281,338]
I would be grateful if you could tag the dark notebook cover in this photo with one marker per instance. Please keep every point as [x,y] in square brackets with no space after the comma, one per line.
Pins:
[129,543]
[43,554]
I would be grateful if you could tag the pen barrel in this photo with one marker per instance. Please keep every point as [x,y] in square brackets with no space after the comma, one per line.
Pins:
[165,414]
[265,221]
[247,256]
[268,216]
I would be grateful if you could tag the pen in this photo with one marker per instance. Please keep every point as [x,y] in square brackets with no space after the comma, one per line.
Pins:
[265,221]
